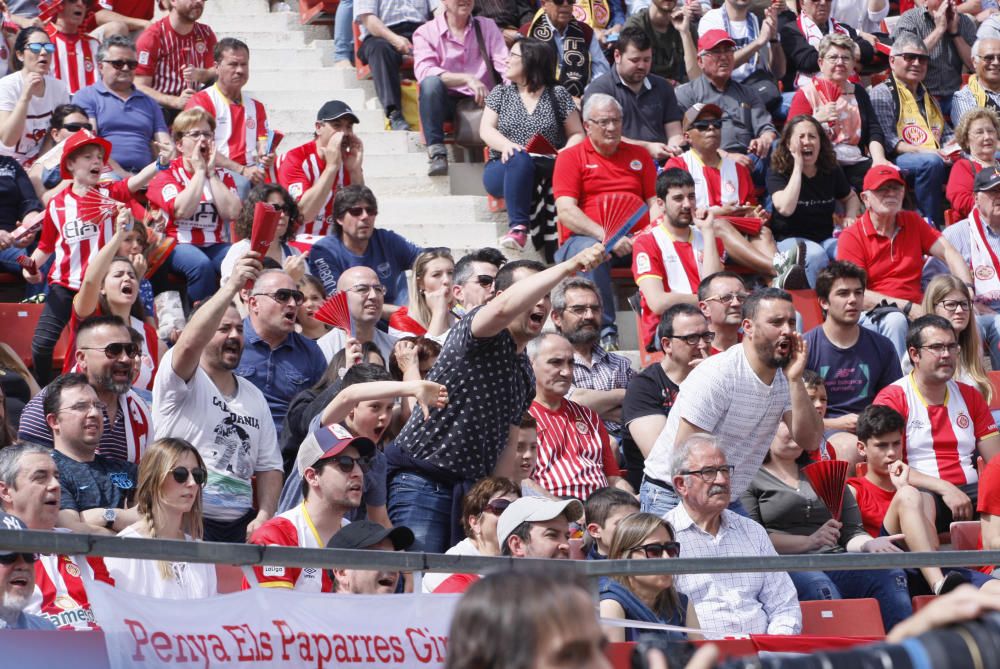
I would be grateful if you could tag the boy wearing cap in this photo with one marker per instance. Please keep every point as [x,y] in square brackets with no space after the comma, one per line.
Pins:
[314,171]
[536,527]
[17,585]
[366,535]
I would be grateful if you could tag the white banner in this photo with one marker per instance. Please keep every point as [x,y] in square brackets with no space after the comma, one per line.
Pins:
[273,628]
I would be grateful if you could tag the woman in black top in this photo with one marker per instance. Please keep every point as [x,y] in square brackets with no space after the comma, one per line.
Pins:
[17,200]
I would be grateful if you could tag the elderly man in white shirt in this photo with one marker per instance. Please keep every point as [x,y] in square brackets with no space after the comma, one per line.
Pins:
[726,603]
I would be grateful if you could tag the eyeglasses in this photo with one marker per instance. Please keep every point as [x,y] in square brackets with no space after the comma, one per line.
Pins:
[346,463]
[38,47]
[11,558]
[357,211]
[693,339]
[989,57]
[705,125]
[182,474]
[364,289]
[199,134]
[605,122]
[121,64]
[719,51]
[728,297]
[709,474]
[115,350]
[656,551]
[485,280]
[74,127]
[839,58]
[939,349]
[497,506]
[911,57]
[581,309]
[560,3]
[283,295]
[953,305]
[84,407]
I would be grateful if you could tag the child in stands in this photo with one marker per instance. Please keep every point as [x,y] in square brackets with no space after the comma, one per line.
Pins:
[603,509]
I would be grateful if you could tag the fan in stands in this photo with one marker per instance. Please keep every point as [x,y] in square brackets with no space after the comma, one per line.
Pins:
[619,214]
[334,312]
[827,479]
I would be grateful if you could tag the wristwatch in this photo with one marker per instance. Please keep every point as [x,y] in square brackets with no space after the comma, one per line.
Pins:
[110,516]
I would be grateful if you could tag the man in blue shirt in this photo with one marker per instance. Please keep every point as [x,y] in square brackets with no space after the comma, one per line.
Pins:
[276,359]
[119,112]
[356,242]
[17,585]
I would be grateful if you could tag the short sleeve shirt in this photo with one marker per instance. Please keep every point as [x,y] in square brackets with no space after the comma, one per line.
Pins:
[547,119]
[129,124]
[388,253]
[37,122]
[163,53]
[813,215]
[644,113]
[104,483]
[649,393]
[852,376]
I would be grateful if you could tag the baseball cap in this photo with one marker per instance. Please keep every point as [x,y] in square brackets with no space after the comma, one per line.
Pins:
[535,510]
[880,175]
[327,442]
[334,109]
[714,38]
[9,522]
[700,110]
[362,534]
[78,140]
[986,179]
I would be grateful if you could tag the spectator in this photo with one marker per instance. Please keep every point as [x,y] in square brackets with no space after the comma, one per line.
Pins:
[8,435]
[518,463]
[580,58]
[122,17]
[977,135]
[387,26]
[748,603]
[276,359]
[508,127]
[848,119]
[807,188]
[413,357]
[983,88]
[315,296]
[17,201]
[604,509]
[684,337]
[433,299]
[889,244]
[670,30]
[578,190]
[801,35]
[748,135]
[76,62]
[855,363]
[481,508]
[197,397]
[867,16]
[366,535]
[198,198]
[241,125]
[740,396]
[448,64]
[365,302]
[475,273]
[434,460]
[721,297]
[946,421]
[357,242]
[104,353]
[176,56]
[509,16]
[914,124]
[651,118]
[65,120]
[797,520]
[17,585]
[280,251]
[650,598]
[816,389]
[314,171]
[94,488]
[168,499]
[947,36]
[758,58]
[121,113]
[575,456]
[535,527]
[332,468]
[28,96]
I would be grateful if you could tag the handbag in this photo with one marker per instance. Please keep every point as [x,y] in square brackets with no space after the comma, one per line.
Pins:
[764,84]
[469,115]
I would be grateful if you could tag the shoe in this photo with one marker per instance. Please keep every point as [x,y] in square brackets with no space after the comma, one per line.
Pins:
[791,273]
[515,239]
[343,65]
[951,581]
[438,159]
[279,7]
[609,341]
[397,122]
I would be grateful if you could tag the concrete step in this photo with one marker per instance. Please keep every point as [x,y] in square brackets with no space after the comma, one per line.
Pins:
[413,165]
[383,184]
[277,38]
[307,100]
[443,211]
[222,9]
[289,120]
[466,235]
[263,76]
[249,23]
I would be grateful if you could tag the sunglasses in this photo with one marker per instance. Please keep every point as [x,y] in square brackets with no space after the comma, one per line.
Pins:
[705,125]
[182,474]
[911,57]
[357,211]
[115,350]
[560,3]
[656,551]
[75,127]
[485,280]
[122,64]
[497,506]
[283,295]
[11,558]
[346,463]
[38,47]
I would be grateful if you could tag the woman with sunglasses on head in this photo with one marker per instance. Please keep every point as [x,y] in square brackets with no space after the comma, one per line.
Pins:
[29,96]
[651,598]
[168,499]
[285,255]
[432,299]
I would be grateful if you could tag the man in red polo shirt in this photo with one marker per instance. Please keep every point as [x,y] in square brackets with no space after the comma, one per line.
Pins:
[890,245]
[601,164]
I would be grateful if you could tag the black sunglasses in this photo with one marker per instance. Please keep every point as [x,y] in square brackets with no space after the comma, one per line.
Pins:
[346,463]
[485,280]
[11,558]
[121,64]
[182,474]
[910,57]
[115,350]
[357,211]
[656,551]
[75,127]
[497,506]
[705,125]
[283,295]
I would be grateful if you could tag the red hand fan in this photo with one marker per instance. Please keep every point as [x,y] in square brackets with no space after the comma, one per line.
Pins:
[541,146]
[27,263]
[265,223]
[748,225]
[49,9]
[95,206]
[828,478]
[828,89]
[273,140]
[335,312]
[618,213]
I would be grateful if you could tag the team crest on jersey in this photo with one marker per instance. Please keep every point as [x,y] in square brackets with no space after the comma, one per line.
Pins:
[199,47]
[581,427]
[984,272]
[636,165]
[89,66]
[251,124]
[962,421]
[122,480]
[72,570]
[729,187]
[295,190]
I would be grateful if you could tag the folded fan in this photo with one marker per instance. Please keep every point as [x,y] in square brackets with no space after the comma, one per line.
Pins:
[827,479]
[538,144]
[335,312]
[274,138]
[31,224]
[28,263]
[619,213]
[49,9]
[828,89]
[748,225]
[265,224]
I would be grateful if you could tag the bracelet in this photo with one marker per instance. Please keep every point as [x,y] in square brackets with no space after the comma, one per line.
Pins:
[162,167]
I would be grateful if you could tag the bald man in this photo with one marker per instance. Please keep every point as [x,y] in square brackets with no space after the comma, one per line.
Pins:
[365,299]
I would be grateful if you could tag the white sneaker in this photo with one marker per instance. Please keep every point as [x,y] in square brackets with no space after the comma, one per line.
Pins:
[280,7]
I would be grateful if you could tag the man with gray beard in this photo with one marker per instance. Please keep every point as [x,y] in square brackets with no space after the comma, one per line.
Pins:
[17,584]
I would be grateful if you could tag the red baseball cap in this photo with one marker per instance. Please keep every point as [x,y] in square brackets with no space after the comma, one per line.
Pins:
[78,140]
[714,38]
[880,175]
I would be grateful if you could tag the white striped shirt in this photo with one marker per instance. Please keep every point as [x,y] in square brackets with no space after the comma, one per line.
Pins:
[571,449]
[300,169]
[75,61]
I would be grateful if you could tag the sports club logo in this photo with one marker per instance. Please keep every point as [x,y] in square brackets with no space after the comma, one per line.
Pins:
[200,47]
[728,188]
[962,421]
[915,135]
[251,124]
[984,272]
[122,480]
[72,570]
[581,427]
[636,165]
[89,66]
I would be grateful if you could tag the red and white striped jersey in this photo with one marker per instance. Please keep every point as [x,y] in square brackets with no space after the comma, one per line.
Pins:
[940,439]
[292,528]
[239,126]
[75,62]
[75,240]
[203,228]
[163,53]
[60,595]
[300,169]
[137,9]
[574,452]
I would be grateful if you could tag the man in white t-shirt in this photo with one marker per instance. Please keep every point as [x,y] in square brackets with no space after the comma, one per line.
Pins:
[365,298]
[740,396]
[197,397]
[757,46]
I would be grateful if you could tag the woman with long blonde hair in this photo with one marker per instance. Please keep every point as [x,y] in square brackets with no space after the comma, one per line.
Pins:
[431,298]
[168,498]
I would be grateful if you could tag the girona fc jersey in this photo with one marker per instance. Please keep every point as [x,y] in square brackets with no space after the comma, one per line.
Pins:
[202,228]
[300,169]
[292,528]
[60,595]
[75,62]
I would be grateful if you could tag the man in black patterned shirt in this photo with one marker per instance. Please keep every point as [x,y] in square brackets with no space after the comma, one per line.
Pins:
[509,15]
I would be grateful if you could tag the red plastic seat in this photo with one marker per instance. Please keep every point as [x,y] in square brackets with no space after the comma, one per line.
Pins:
[965,535]
[842,617]
[920,601]
[20,321]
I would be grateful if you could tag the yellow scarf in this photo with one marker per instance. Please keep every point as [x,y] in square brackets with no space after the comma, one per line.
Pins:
[911,126]
[595,13]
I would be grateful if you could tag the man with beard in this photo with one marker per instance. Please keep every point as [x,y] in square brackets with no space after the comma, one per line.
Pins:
[599,378]
[574,451]
[536,527]
[947,422]
[369,536]
[104,352]
[365,299]
[17,584]
[197,397]
[740,396]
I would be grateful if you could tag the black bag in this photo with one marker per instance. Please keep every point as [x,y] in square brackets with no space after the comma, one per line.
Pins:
[469,115]
[766,87]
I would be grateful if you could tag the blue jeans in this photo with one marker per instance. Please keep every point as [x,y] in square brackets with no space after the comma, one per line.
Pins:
[200,265]
[343,31]
[658,500]
[989,330]
[817,256]
[893,326]
[8,263]
[601,276]
[888,586]
[927,173]
[514,181]
[437,105]
[424,506]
